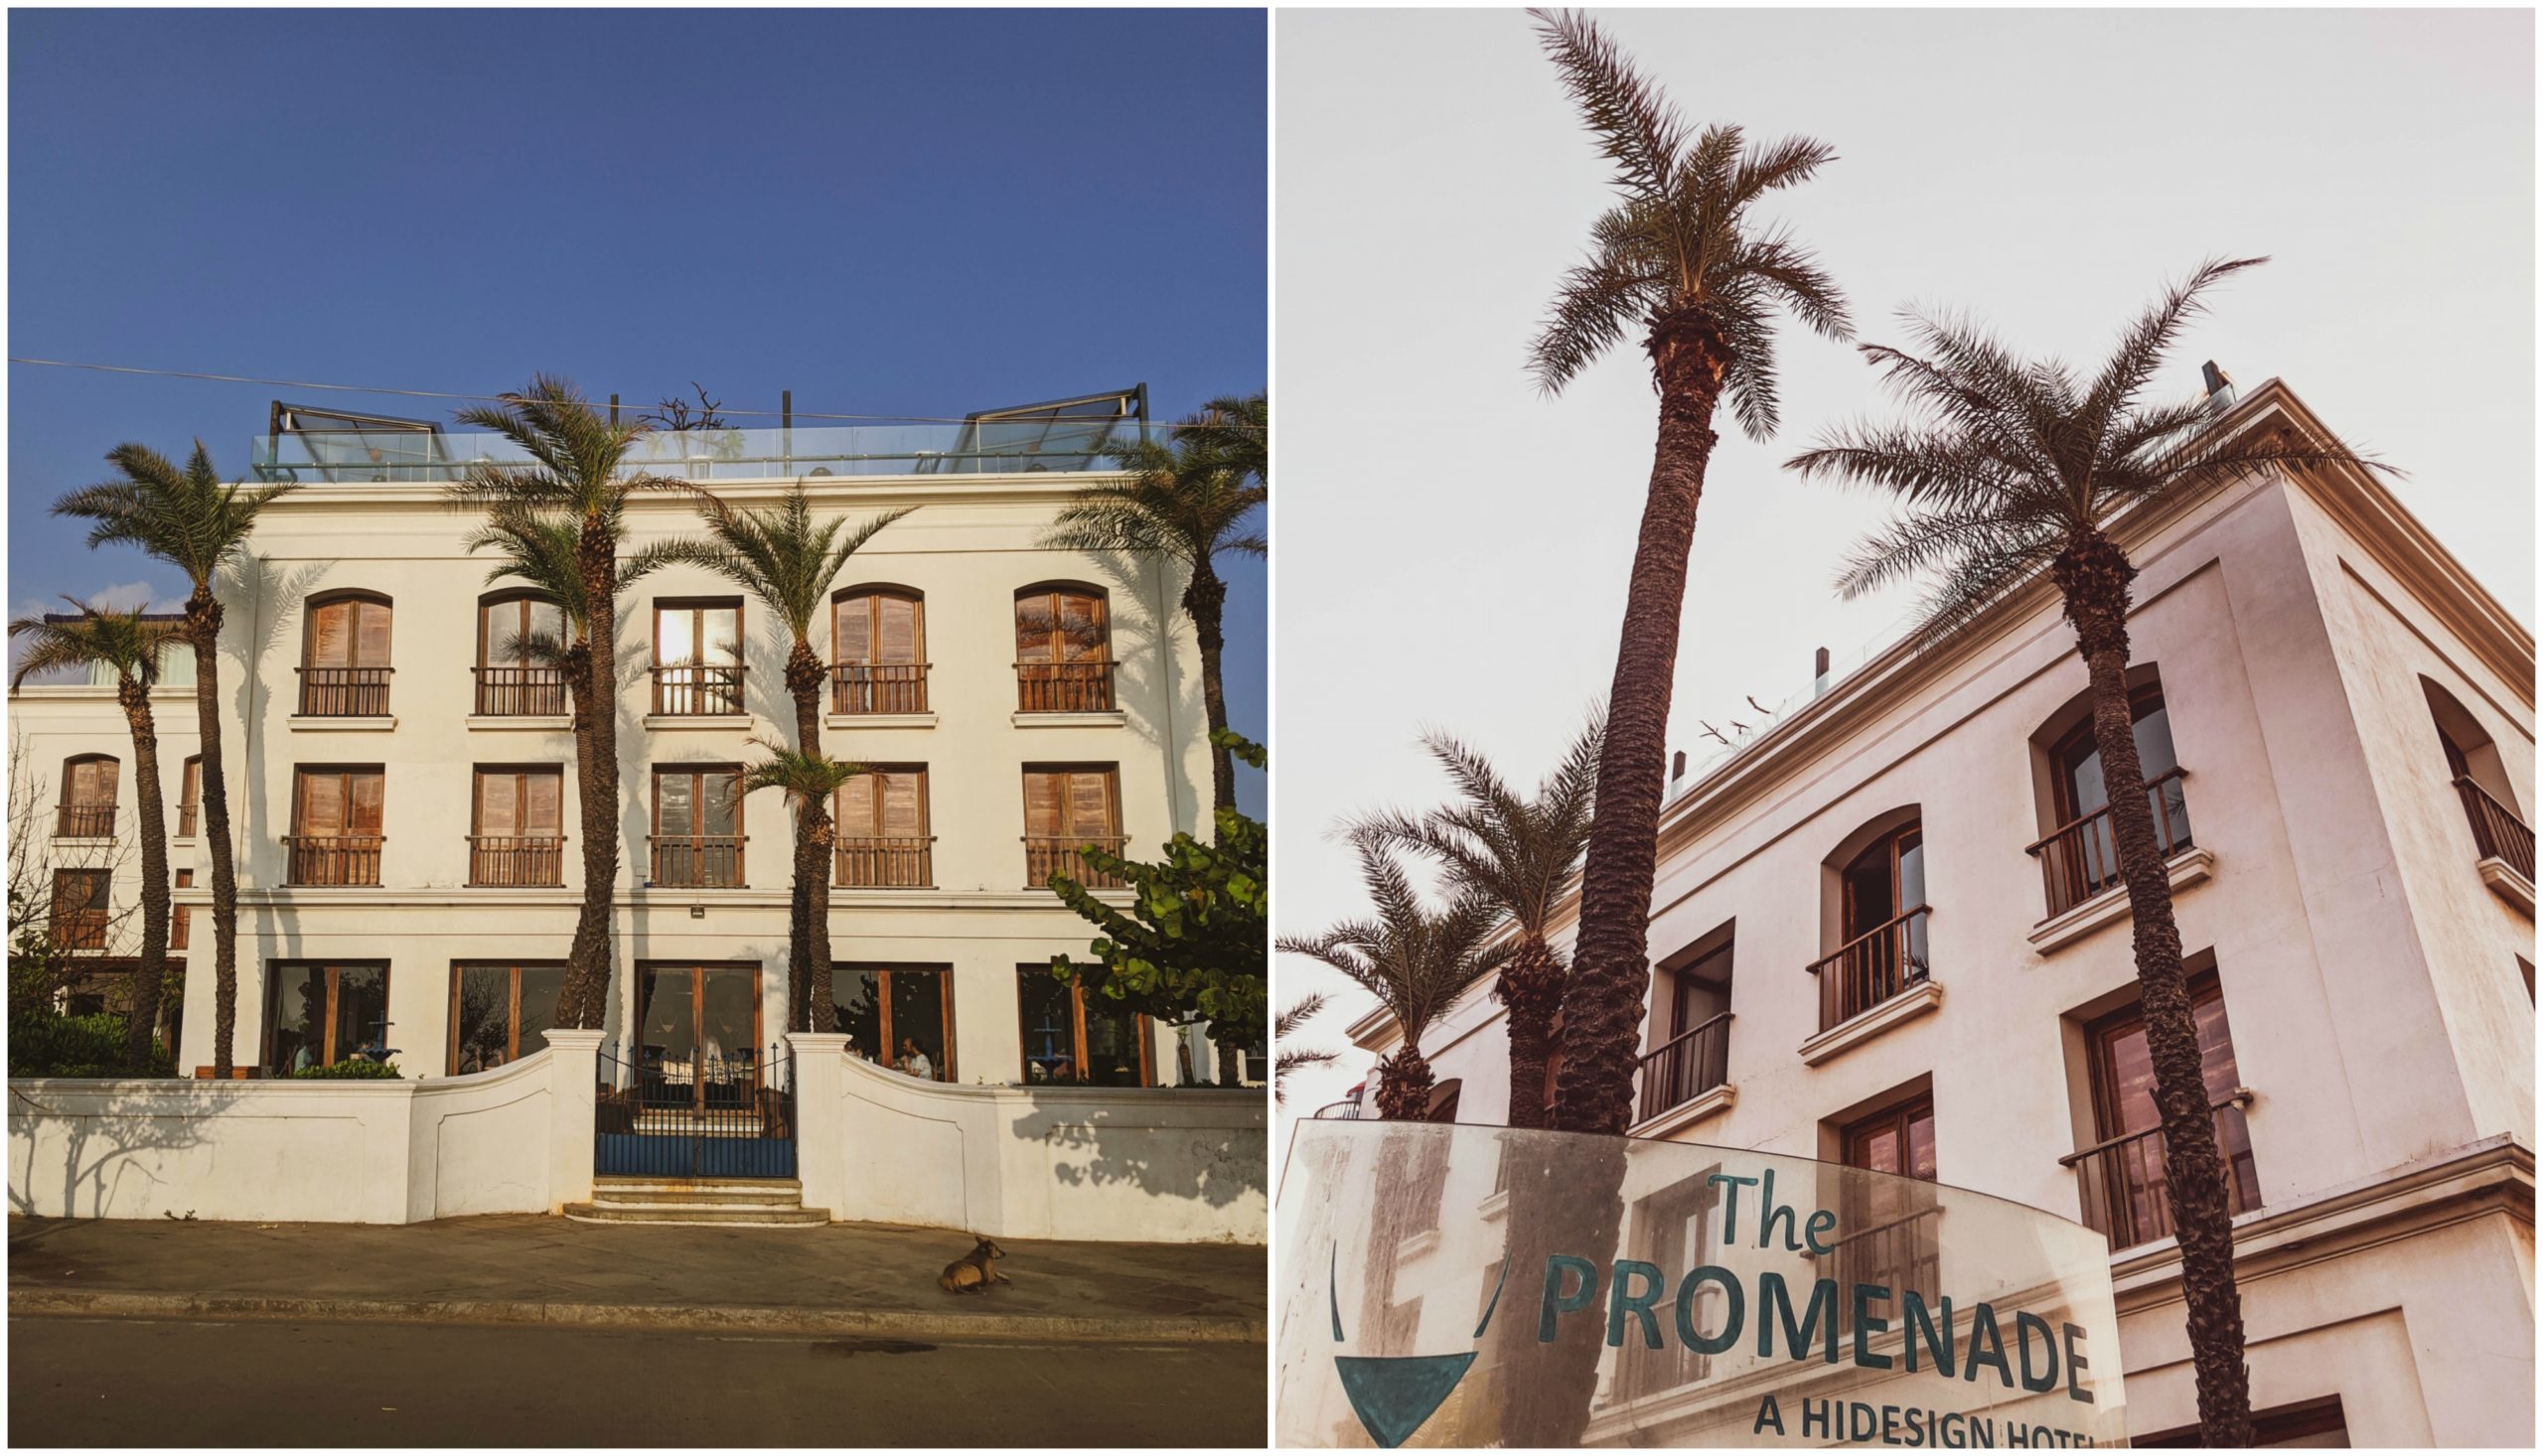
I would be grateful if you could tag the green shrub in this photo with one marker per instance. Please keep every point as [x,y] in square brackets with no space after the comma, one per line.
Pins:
[351,1072]
[44,1043]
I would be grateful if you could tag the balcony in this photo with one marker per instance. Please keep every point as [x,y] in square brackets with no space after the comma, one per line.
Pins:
[696,861]
[1347,1110]
[1064,688]
[2496,830]
[2081,859]
[521,692]
[1045,856]
[2121,1183]
[1881,963]
[1901,1252]
[344,692]
[333,859]
[900,862]
[697,690]
[84,822]
[512,862]
[887,687]
[1684,1068]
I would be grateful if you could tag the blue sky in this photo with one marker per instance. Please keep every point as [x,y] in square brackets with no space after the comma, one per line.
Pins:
[917,214]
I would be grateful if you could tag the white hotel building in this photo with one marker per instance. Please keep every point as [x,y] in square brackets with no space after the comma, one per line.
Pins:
[1887,931]
[403,789]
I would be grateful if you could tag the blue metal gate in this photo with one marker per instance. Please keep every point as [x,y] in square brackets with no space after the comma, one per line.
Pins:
[667,1116]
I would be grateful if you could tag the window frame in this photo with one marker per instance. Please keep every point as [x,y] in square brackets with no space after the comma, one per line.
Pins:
[884,971]
[2077,743]
[702,774]
[355,597]
[1077,1045]
[189,796]
[334,976]
[512,1039]
[873,595]
[100,902]
[1054,591]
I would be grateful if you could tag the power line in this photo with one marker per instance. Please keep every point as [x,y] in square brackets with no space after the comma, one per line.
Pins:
[59,364]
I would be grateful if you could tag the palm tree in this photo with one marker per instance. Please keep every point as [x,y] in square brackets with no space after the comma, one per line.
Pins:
[1288,1058]
[131,646]
[1413,959]
[2013,468]
[1520,854]
[571,482]
[194,521]
[1189,500]
[1239,428]
[786,559]
[1679,257]
[810,781]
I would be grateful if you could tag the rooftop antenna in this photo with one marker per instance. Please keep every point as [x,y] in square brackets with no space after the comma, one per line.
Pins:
[2221,392]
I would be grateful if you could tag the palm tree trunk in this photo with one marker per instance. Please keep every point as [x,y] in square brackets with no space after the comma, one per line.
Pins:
[1205,600]
[1404,1086]
[820,841]
[2094,575]
[1532,992]
[803,681]
[1603,1009]
[143,1018]
[585,1001]
[203,629]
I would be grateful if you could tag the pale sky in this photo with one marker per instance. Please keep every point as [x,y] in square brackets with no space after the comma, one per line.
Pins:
[1452,549]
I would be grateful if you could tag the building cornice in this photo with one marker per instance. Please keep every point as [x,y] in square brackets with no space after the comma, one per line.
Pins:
[1035,487]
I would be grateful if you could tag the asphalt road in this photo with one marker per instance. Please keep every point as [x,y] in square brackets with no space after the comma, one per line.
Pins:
[76,1382]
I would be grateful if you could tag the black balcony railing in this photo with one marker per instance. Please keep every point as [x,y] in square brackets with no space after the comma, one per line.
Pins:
[1064,688]
[1685,1067]
[1901,1251]
[1871,967]
[503,861]
[344,692]
[1045,856]
[85,821]
[521,692]
[2126,1192]
[697,690]
[2081,859]
[334,859]
[879,687]
[895,862]
[2496,830]
[697,862]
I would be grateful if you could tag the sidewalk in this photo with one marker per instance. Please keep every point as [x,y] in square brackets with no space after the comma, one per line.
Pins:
[842,1278]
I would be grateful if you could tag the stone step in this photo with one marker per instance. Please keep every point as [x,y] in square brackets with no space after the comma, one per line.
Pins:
[748,1215]
[700,1197]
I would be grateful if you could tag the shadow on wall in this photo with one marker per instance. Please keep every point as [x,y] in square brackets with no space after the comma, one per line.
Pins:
[1143,646]
[97,1135]
[1187,1144]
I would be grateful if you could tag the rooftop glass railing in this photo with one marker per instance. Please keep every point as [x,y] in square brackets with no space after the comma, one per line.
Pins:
[980,448]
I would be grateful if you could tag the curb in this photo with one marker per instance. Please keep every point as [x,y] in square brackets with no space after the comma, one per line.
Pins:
[1138,1329]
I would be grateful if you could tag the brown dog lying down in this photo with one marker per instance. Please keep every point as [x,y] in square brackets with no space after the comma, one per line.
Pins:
[974,1273]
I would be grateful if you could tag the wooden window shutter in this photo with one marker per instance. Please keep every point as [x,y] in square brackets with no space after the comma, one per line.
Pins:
[905,803]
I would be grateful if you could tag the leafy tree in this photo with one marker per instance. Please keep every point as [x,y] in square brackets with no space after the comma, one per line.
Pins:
[789,559]
[195,521]
[1519,853]
[1414,960]
[1679,258]
[130,646]
[1191,499]
[2012,468]
[1189,946]
[560,521]
[810,781]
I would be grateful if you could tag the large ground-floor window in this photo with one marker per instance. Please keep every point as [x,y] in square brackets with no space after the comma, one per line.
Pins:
[1074,1037]
[900,1016]
[318,1012]
[501,1012]
[697,1013]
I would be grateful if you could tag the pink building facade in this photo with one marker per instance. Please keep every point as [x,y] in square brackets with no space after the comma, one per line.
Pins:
[1887,931]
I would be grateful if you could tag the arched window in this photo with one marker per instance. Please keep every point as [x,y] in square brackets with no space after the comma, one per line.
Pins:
[89,796]
[878,640]
[513,680]
[2482,782]
[1063,650]
[2080,856]
[344,657]
[1879,915]
[190,797]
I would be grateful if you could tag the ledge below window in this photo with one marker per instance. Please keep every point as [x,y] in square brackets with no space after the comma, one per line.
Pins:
[881,720]
[680,722]
[2067,927]
[1689,1113]
[1114,718]
[2508,884]
[384,723]
[1907,1005]
[521,723]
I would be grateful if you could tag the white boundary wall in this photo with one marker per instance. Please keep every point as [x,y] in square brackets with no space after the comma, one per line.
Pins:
[517,1139]
[1140,1165]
